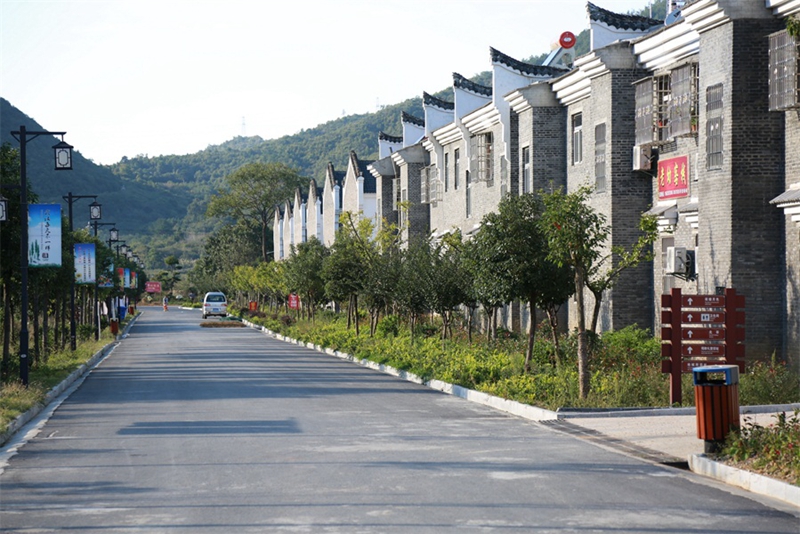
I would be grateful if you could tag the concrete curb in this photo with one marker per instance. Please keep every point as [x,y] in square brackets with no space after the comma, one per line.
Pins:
[699,464]
[747,480]
[24,418]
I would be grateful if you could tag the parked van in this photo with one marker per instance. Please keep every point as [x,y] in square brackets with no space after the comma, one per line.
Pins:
[215,303]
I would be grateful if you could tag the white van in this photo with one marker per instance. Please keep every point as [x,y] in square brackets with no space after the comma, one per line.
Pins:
[215,303]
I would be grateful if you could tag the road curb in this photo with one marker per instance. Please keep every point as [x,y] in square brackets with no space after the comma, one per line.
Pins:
[747,480]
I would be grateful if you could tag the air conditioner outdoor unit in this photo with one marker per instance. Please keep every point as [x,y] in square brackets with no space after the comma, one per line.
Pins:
[641,158]
[676,260]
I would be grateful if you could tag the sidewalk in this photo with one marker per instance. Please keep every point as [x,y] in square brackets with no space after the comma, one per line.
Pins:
[670,437]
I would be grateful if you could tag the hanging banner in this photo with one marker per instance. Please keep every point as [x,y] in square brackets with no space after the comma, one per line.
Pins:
[84,263]
[106,279]
[121,277]
[673,178]
[134,280]
[44,235]
[127,275]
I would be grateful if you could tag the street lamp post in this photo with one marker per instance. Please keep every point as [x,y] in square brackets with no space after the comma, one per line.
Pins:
[113,233]
[63,161]
[94,214]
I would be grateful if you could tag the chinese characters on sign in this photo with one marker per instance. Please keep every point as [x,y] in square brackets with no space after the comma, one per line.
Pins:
[44,235]
[84,263]
[673,178]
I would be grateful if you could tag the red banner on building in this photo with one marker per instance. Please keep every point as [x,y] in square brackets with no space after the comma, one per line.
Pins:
[673,178]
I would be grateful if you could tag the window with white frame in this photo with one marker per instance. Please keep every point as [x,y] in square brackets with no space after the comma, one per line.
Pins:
[683,111]
[456,167]
[653,97]
[600,157]
[446,171]
[483,156]
[784,74]
[577,138]
[469,194]
[714,123]
[527,184]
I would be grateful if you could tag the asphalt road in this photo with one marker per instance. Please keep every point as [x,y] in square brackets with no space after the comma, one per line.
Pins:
[189,429]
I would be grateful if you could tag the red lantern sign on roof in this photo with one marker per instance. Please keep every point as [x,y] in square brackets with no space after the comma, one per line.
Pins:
[567,40]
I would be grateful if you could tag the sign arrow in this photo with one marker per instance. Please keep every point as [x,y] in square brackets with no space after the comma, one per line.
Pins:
[690,317]
[689,349]
[690,334]
[689,300]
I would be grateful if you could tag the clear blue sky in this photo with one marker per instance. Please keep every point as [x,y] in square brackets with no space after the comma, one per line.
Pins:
[125,78]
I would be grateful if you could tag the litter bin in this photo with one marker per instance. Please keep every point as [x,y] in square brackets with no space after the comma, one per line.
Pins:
[113,325]
[716,396]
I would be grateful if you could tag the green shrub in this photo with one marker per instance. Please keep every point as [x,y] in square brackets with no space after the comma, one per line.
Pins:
[771,382]
[389,326]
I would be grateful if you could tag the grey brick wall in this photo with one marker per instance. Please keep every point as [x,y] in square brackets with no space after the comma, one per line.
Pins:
[792,237]
[741,237]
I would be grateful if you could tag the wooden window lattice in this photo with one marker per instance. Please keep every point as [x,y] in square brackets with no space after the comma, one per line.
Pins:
[784,75]
[600,157]
[683,110]
[714,122]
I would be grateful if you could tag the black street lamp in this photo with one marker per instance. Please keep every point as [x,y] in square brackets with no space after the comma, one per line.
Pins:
[94,214]
[63,161]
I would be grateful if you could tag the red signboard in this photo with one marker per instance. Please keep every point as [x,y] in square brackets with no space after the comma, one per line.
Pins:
[695,317]
[152,287]
[567,40]
[688,365]
[294,302]
[703,301]
[688,349]
[673,178]
[703,333]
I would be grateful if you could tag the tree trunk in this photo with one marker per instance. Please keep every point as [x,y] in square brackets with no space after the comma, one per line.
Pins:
[583,348]
[37,341]
[355,311]
[531,333]
[598,298]
[46,327]
[552,315]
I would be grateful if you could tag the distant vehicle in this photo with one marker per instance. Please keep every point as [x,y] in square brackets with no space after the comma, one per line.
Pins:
[215,303]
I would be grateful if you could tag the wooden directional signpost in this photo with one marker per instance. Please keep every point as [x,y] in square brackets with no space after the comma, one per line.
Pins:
[700,330]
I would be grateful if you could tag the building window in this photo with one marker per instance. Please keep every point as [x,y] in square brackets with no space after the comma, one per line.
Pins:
[456,166]
[714,122]
[683,102]
[784,85]
[652,110]
[577,138]
[527,185]
[446,172]
[600,157]
[483,157]
[469,194]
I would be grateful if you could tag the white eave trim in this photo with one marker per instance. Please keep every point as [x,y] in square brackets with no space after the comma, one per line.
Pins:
[447,134]
[704,15]
[481,119]
[666,47]
[783,8]
[517,101]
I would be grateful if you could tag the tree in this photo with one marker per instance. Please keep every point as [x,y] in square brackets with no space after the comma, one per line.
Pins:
[253,192]
[605,273]
[575,234]
[304,272]
[517,251]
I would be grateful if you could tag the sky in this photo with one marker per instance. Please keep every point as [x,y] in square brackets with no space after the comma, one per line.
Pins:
[158,77]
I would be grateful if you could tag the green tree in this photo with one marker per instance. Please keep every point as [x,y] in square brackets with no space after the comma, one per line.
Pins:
[304,272]
[518,253]
[253,192]
[575,233]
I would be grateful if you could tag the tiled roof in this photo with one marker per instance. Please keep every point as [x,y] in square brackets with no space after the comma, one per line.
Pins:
[462,83]
[407,117]
[391,138]
[430,100]
[623,22]
[790,195]
[525,68]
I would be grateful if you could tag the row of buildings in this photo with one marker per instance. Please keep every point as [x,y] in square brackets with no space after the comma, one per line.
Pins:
[695,120]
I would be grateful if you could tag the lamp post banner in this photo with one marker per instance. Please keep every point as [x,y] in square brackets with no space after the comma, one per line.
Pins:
[44,235]
[121,277]
[106,279]
[85,263]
